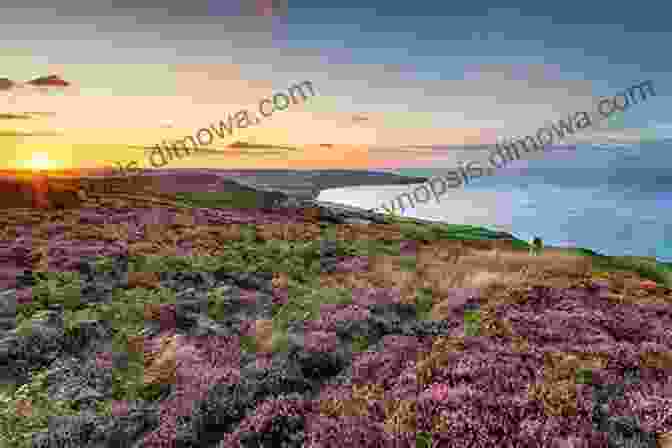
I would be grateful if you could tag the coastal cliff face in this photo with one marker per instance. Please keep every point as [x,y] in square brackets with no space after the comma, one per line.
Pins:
[143,321]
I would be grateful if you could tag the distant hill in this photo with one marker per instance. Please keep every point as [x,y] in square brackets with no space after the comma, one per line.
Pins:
[246,145]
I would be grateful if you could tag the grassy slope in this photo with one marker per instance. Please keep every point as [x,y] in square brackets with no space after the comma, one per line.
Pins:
[300,260]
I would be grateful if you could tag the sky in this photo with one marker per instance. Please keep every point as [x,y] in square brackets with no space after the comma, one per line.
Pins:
[396,83]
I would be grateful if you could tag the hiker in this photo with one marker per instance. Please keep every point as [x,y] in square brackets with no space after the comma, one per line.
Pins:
[536,246]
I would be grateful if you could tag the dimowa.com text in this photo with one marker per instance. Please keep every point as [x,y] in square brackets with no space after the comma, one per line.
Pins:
[205,136]
[508,152]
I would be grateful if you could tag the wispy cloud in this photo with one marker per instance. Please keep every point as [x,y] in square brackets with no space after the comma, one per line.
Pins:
[41,81]
[41,114]
[11,116]
[22,133]
[6,84]
[48,81]
[260,146]
[227,151]
[25,115]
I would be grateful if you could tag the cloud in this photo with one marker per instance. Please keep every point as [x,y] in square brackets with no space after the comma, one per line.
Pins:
[259,146]
[45,114]
[11,116]
[449,147]
[22,133]
[48,81]
[228,151]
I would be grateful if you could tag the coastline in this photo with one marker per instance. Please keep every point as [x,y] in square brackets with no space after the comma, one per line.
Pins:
[269,187]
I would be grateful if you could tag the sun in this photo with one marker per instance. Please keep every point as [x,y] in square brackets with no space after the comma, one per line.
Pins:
[40,161]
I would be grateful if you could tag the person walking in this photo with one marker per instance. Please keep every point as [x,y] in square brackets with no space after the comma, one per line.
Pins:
[536,246]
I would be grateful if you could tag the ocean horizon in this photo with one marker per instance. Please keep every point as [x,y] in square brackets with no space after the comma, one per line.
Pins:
[614,199]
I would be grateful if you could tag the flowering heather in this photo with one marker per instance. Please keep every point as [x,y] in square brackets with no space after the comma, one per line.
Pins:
[320,341]
[325,432]
[375,296]
[439,391]
[384,367]
[408,247]
[24,295]
[280,296]
[201,362]
[120,408]
[353,264]
[331,314]
[261,420]
[104,360]
[248,295]
[544,366]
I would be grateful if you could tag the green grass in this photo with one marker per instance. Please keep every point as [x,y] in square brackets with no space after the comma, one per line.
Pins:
[305,301]
[423,440]
[360,344]
[16,431]
[472,323]
[645,267]
[408,263]
[584,376]
[443,231]
[423,303]
[223,199]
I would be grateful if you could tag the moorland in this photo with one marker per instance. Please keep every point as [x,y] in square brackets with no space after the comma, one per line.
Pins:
[200,312]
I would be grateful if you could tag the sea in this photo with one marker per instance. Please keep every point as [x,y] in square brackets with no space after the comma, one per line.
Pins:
[615,199]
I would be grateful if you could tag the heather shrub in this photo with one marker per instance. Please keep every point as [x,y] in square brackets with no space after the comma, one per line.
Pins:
[332,314]
[325,432]
[357,400]
[201,362]
[653,410]
[277,420]
[385,367]
[353,264]
[320,341]
[223,407]
[218,350]
[334,400]
[443,351]
[375,296]
[408,247]
[485,421]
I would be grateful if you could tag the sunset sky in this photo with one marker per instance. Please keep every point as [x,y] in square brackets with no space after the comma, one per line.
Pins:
[385,75]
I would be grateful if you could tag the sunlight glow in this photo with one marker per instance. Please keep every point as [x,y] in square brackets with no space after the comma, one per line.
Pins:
[40,161]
